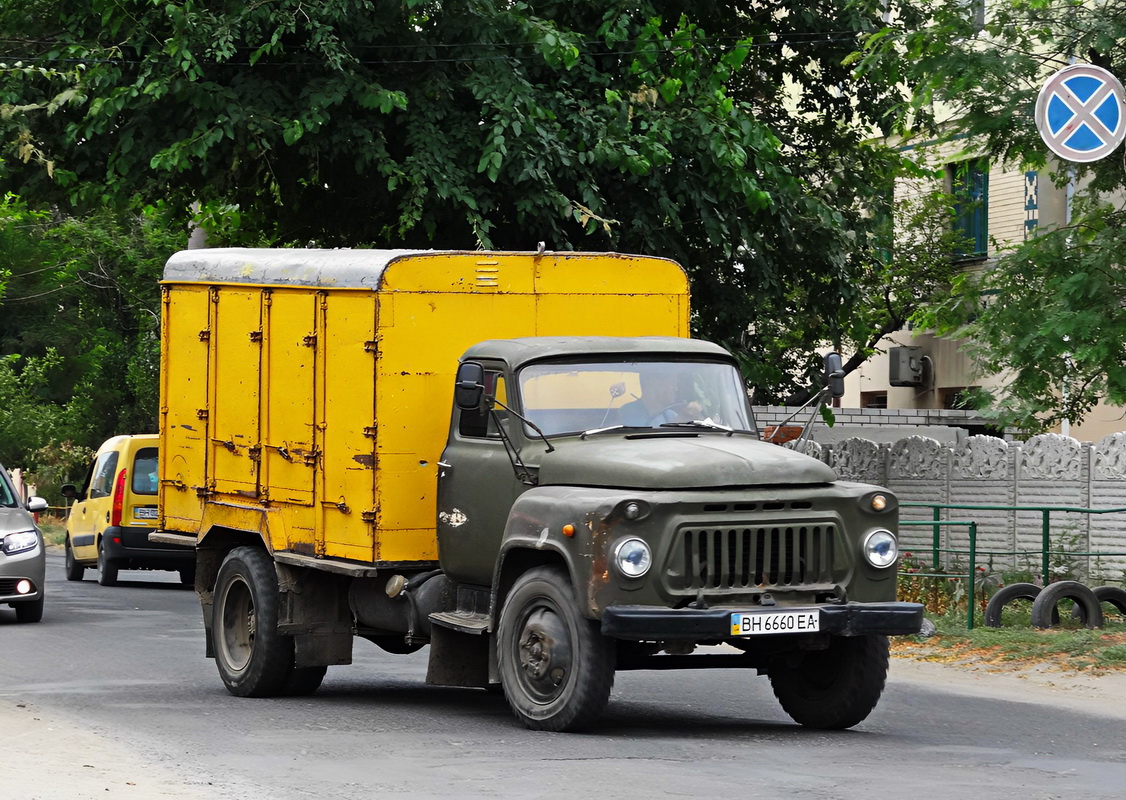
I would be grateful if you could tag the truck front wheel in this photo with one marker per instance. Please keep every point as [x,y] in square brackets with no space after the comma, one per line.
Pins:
[556,668]
[834,688]
[254,659]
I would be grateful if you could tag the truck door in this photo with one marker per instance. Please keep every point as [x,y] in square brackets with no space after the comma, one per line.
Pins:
[476,489]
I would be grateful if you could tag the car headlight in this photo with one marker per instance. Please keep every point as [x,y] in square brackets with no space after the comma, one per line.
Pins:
[880,548]
[18,542]
[633,558]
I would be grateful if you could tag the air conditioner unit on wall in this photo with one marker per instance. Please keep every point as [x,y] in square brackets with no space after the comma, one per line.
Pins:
[905,366]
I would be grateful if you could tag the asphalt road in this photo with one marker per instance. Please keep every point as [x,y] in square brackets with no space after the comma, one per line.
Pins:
[117,700]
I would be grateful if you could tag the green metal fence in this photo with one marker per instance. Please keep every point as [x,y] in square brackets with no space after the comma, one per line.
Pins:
[972,552]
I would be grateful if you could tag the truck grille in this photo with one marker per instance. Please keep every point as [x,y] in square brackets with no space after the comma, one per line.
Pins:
[761,556]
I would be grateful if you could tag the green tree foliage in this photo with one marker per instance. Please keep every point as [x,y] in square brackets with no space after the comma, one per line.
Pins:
[1049,316]
[732,137]
[79,324]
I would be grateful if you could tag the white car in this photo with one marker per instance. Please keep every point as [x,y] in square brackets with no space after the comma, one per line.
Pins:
[23,558]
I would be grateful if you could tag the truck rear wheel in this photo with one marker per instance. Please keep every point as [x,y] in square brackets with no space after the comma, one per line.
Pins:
[556,668]
[834,688]
[253,658]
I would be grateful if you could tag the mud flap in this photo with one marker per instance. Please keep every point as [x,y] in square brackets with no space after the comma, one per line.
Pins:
[458,659]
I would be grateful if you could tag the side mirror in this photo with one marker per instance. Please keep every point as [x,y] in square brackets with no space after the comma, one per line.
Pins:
[36,504]
[834,374]
[469,386]
[69,491]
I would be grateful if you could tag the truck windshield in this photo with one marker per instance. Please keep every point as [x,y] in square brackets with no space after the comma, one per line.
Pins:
[574,397]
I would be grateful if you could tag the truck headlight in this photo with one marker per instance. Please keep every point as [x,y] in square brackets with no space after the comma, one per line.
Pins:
[633,558]
[880,548]
[18,542]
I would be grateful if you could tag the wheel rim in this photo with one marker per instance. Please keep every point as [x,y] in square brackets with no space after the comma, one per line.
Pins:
[236,639]
[544,653]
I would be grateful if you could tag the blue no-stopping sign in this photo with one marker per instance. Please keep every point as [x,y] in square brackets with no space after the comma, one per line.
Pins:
[1081,113]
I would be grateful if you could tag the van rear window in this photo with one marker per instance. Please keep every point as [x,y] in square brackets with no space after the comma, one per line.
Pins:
[145,479]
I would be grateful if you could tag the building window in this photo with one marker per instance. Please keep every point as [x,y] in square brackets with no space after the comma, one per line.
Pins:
[873,399]
[969,185]
[956,397]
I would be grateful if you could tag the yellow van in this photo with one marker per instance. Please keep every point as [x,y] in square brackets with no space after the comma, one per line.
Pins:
[113,512]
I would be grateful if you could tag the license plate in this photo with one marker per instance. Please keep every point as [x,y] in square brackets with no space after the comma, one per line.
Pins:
[144,513]
[773,622]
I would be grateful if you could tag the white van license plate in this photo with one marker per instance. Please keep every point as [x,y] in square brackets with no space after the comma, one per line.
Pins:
[144,513]
[774,622]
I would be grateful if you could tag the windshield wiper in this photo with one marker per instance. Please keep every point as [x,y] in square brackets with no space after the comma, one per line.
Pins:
[700,423]
[602,430]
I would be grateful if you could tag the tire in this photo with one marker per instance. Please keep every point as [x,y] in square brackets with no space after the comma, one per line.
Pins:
[253,658]
[555,666]
[74,570]
[835,688]
[29,612]
[1087,606]
[303,681]
[1002,597]
[107,571]
[1112,595]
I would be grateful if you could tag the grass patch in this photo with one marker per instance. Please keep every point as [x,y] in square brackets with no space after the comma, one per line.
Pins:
[54,530]
[1020,645]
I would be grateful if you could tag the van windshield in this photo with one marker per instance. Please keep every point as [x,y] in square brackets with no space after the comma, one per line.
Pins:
[572,397]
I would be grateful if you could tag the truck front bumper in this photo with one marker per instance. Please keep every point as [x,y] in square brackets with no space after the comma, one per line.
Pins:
[646,623]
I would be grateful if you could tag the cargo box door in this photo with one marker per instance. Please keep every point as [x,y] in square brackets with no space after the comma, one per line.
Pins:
[288,456]
[347,478]
[184,409]
[235,361]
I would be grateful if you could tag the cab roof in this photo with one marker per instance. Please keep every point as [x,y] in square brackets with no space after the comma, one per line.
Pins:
[518,352]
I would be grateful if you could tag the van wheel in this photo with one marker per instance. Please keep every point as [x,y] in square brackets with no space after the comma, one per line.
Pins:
[253,658]
[834,688]
[556,668]
[74,570]
[107,572]
[29,612]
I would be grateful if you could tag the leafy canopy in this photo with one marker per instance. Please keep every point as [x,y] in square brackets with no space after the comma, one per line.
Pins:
[734,138]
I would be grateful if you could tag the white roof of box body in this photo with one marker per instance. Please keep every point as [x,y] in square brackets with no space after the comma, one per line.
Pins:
[360,269]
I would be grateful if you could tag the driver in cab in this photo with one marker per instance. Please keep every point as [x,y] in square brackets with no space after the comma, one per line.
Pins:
[659,402]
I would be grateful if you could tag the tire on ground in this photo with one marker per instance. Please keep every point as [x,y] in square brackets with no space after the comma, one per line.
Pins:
[1002,597]
[556,667]
[29,612]
[835,688]
[253,658]
[74,570]
[1112,595]
[1044,611]
[107,571]
[303,681]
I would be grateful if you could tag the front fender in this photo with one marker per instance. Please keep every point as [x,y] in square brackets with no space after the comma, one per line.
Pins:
[534,535]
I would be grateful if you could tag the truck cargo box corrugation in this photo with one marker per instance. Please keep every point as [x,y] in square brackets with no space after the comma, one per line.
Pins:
[305,394]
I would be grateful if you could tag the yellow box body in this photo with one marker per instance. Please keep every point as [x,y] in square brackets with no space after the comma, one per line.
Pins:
[306,394]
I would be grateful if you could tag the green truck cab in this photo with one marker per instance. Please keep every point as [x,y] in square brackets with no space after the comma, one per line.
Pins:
[590,532]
